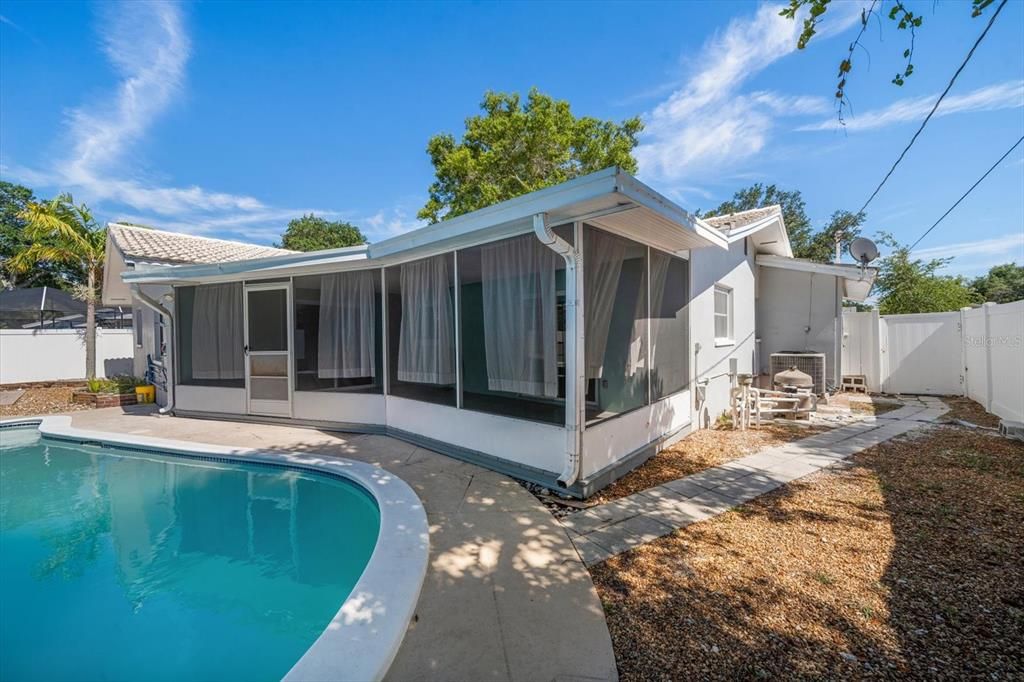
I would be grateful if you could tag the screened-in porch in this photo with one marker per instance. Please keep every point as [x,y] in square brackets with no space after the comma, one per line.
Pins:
[480,329]
[553,328]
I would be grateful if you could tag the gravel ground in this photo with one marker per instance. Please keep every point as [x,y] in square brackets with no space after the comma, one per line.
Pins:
[970,411]
[701,450]
[906,564]
[36,401]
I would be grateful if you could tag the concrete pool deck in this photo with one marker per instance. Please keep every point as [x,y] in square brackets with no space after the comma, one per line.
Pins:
[506,595]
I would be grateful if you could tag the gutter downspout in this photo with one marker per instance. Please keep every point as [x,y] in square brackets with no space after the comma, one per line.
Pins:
[155,306]
[574,362]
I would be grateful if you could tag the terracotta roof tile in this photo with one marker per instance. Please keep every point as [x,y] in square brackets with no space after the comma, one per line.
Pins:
[732,221]
[157,246]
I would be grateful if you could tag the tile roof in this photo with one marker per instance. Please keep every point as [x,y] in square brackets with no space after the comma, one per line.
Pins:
[732,221]
[143,244]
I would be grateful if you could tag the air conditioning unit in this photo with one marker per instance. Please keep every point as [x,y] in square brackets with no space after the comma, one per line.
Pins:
[809,363]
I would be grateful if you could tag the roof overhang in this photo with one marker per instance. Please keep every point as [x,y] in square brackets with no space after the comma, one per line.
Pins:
[610,199]
[857,280]
[768,236]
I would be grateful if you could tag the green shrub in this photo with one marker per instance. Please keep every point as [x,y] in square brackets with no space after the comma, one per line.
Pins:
[118,384]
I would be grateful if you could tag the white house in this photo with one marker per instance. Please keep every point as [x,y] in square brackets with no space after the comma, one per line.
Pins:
[561,337]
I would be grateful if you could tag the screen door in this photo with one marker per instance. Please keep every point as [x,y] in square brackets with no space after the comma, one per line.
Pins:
[268,349]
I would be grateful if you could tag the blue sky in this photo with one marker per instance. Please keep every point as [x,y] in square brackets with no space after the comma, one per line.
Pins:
[228,119]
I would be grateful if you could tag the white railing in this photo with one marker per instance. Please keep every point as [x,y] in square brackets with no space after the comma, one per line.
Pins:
[59,354]
[976,352]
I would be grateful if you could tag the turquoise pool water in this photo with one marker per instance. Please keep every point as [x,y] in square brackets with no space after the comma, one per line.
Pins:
[133,566]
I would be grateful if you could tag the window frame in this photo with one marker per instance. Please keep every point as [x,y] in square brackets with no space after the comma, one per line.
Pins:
[137,326]
[730,338]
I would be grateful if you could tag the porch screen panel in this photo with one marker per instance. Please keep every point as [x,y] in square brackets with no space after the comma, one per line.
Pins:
[615,313]
[520,317]
[603,256]
[670,342]
[347,334]
[217,332]
[338,332]
[426,346]
[421,329]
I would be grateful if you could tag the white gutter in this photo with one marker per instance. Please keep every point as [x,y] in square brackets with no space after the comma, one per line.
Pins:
[574,363]
[153,305]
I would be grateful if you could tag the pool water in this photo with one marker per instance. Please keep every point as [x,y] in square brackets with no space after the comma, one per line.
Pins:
[135,566]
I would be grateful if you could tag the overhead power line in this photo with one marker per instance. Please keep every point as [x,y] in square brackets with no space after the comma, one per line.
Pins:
[1008,152]
[937,103]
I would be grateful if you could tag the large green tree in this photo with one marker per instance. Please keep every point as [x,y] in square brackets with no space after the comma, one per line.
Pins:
[515,147]
[843,227]
[908,285]
[313,233]
[61,233]
[14,199]
[1003,284]
[794,213]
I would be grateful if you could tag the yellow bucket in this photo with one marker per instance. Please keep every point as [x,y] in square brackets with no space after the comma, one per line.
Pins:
[145,394]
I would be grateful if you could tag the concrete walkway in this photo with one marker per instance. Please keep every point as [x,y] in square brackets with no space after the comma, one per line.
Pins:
[618,526]
[506,596]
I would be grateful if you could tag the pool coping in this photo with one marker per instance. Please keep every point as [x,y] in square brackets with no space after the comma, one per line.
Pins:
[364,636]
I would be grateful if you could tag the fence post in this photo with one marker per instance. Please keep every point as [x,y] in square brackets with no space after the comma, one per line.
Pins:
[987,307]
[882,358]
[965,375]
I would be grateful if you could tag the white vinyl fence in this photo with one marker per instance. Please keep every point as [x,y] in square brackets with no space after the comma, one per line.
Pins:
[59,354]
[977,352]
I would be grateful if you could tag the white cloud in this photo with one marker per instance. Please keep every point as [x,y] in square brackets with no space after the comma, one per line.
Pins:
[390,223]
[147,45]
[976,257]
[1008,95]
[709,123]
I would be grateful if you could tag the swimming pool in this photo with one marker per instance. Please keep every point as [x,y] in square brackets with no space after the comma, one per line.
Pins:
[127,560]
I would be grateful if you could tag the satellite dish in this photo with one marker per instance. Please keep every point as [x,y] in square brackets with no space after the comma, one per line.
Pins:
[863,250]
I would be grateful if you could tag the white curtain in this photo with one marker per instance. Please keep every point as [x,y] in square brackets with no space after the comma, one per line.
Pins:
[426,342]
[520,316]
[217,334]
[346,340]
[602,257]
[659,264]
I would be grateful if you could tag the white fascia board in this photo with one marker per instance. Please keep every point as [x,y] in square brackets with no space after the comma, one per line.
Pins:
[772,221]
[642,195]
[504,213]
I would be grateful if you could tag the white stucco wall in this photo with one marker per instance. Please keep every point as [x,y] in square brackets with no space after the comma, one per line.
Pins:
[735,269]
[799,311]
[145,321]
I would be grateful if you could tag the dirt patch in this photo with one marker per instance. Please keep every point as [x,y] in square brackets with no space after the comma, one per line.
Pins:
[906,564]
[859,403]
[38,401]
[701,450]
[968,410]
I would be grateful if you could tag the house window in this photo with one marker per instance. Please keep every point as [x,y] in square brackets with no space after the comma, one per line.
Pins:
[723,314]
[158,336]
[137,325]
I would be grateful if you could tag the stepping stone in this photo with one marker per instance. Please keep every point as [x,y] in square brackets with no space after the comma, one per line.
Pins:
[10,397]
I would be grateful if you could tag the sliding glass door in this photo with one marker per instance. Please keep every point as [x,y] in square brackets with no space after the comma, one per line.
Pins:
[268,349]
